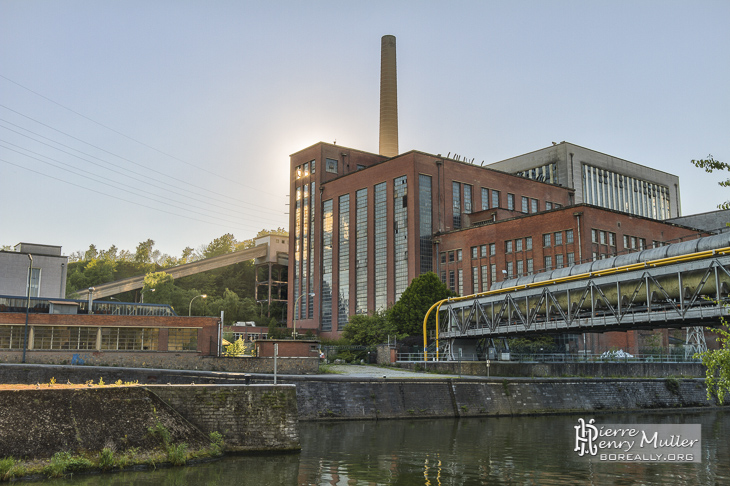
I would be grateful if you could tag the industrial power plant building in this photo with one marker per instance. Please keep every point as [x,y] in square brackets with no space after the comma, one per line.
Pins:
[364,225]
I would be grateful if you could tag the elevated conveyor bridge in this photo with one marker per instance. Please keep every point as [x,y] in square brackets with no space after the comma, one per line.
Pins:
[681,285]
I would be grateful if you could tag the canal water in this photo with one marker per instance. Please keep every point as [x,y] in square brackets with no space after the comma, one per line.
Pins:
[497,450]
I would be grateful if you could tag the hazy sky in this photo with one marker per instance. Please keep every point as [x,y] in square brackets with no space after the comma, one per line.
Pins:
[174,120]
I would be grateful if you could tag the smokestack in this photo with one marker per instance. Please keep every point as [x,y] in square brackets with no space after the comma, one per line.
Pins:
[388,98]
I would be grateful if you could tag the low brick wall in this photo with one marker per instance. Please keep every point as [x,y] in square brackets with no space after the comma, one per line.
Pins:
[543,370]
[381,399]
[251,418]
[168,360]
[39,423]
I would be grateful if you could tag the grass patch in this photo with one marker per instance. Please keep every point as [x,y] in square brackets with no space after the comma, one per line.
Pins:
[325,369]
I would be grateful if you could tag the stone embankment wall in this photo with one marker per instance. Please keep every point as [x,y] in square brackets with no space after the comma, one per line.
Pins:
[251,418]
[39,423]
[383,399]
[543,370]
[169,360]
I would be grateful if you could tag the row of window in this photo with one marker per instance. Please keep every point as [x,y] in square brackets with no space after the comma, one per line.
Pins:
[97,338]
[612,190]
[603,237]
[462,202]
[630,242]
[307,168]
[556,238]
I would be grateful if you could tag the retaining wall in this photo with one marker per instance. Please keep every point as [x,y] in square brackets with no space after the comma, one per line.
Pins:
[542,370]
[251,418]
[380,399]
[39,423]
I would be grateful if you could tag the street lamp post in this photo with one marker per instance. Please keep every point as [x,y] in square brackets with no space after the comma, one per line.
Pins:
[141,298]
[294,332]
[190,307]
[27,306]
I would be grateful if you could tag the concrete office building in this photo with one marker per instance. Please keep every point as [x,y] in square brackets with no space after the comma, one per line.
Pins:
[600,179]
[48,273]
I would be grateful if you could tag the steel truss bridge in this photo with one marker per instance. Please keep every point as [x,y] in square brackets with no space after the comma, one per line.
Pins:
[682,290]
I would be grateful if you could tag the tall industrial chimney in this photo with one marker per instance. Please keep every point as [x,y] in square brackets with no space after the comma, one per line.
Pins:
[388,98]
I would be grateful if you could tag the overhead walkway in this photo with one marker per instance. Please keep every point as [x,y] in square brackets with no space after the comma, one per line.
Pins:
[133,283]
[682,285]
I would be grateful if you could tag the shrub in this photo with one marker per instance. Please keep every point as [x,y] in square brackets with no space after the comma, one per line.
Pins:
[106,458]
[177,454]
[6,464]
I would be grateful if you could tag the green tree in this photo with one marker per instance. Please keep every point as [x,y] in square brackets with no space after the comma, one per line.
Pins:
[365,330]
[710,165]
[717,364]
[164,288]
[144,252]
[91,253]
[220,246]
[407,314]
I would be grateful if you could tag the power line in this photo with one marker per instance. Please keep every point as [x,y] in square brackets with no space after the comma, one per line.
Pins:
[119,156]
[121,172]
[131,138]
[137,192]
[243,227]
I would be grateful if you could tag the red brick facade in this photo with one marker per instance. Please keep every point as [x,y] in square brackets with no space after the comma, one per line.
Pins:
[419,214]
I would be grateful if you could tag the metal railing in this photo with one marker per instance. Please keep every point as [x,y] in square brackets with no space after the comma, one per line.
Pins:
[558,358]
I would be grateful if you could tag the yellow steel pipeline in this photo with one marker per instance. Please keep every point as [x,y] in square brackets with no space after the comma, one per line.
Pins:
[601,273]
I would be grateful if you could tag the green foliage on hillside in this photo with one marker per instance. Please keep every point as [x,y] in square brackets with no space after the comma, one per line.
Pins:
[230,289]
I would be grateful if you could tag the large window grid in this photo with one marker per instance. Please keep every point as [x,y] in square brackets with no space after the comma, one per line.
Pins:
[326,287]
[400,236]
[131,338]
[467,199]
[343,293]
[310,287]
[361,252]
[381,247]
[456,197]
[182,339]
[297,247]
[425,208]
[12,337]
[305,250]
[83,338]
[611,190]
[544,173]
[35,282]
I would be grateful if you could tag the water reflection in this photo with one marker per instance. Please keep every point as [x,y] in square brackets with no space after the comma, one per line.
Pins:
[505,450]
